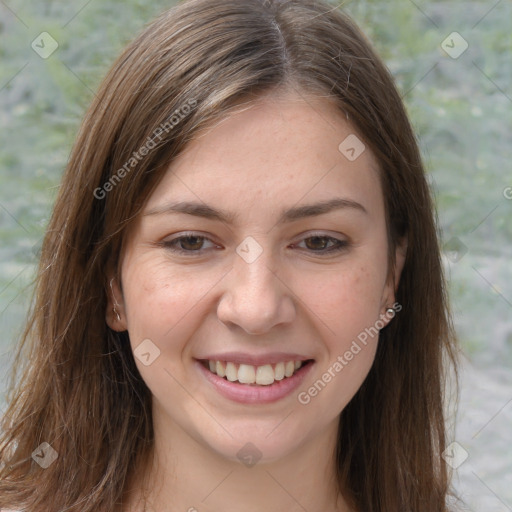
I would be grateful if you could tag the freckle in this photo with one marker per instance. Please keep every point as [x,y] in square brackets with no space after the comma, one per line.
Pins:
[362,273]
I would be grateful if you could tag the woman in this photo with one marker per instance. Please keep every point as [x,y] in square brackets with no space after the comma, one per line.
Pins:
[240,302]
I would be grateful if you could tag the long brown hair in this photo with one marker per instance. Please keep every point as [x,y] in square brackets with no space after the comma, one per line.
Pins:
[80,390]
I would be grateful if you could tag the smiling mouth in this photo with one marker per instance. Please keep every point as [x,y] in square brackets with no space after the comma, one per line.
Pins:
[263,375]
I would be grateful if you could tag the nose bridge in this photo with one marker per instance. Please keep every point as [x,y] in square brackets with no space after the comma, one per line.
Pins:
[256,277]
[254,298]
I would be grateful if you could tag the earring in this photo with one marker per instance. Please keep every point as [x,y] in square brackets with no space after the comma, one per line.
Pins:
[116,304]
[390,312]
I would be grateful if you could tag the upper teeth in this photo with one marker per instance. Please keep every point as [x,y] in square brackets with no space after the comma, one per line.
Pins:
[249,374]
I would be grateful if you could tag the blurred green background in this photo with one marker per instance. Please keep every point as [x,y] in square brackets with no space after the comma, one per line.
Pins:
[461,108]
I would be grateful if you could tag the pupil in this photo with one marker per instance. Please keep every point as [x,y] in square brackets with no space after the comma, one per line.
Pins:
[323,238]
[196,245]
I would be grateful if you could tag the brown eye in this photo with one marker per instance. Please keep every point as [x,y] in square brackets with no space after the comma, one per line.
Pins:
[191,243]
[317,242]
[323,244]
[187,244]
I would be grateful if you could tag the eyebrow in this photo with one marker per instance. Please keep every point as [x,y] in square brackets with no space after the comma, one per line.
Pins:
[295,213]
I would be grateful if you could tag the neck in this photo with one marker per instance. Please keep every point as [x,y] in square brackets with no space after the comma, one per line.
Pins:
[184,475]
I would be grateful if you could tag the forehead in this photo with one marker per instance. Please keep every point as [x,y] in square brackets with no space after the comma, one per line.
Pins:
[281,150]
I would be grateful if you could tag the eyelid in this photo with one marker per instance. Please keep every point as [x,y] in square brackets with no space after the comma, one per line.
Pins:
[322,234]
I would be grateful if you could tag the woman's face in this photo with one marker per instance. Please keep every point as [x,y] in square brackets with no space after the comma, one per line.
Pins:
[239,262]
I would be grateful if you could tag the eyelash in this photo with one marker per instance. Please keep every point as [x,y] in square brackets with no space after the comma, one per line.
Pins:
[340,245]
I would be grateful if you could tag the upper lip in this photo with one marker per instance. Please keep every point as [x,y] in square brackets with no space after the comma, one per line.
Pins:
[255,360]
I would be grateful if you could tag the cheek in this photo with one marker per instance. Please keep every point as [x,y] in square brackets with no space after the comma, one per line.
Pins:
[161,301]
[345,300]
[161,305]
[347,307]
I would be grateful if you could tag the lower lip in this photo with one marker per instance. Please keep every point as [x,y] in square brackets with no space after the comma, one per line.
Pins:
[253,394]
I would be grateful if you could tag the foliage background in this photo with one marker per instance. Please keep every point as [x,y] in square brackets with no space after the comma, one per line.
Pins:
[462,112]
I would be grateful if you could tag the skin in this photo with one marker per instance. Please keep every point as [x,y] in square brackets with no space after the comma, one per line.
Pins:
[280,152]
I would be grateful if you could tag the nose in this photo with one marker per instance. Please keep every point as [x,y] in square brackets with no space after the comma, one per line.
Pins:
[255,298]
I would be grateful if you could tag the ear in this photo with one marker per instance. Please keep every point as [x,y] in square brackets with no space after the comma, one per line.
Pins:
[115,314]
[388,297]
[400,256]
